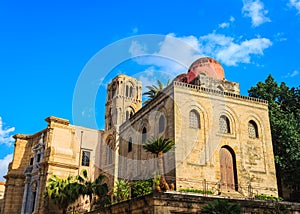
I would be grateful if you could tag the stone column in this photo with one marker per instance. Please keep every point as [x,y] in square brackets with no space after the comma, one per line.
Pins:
[24,202]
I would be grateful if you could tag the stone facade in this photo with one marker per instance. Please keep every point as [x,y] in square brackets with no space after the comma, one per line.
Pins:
[221,138]
[222,141]
[60,149]
[2,190]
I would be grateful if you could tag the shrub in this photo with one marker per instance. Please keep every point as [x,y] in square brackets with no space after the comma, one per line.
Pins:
[268,197]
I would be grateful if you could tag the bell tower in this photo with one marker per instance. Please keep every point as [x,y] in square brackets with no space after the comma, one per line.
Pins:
[124,98]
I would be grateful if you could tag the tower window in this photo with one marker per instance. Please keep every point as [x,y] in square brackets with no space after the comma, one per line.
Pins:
[252,129]
[126,93]
[224,125]
[131,91]
[85,160]
[194,119]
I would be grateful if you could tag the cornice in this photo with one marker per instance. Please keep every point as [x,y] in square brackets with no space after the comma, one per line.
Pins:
[57,120]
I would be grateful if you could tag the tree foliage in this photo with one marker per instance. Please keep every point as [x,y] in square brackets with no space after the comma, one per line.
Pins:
[61,191]
[65,191]
[154,90]
[284,112]
[159,146]
[87,187]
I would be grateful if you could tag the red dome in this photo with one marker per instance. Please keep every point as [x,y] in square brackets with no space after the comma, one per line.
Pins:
[208,66]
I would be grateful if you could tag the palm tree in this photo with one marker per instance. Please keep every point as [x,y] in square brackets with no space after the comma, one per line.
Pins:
[89,188]
[158,147]
[221,206]
[154,90]
[61,191]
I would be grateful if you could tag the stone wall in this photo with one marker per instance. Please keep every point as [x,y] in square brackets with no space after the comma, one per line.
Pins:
[172,202]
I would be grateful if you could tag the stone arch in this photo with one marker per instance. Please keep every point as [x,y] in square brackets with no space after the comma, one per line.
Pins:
[258,120]
[194,119]
[232,117]
[228,170]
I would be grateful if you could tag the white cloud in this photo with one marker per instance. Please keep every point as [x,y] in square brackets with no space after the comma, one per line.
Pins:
[231,53]
[4,165]
[224,25]
[5,134]
[227,24]
[279,37]
[174,57]
[137,49]
[294,73]
[296,4]
[255,10]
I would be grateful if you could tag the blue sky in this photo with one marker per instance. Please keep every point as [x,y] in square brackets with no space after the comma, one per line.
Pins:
[46,45]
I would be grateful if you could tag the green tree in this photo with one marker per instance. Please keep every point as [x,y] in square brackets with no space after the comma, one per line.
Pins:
[87,187]
[221,206]
[122,190]
[154,90]
[158,147]
[284,112]
[62,192]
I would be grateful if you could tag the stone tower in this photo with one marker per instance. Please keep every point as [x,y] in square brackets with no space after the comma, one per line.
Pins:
[124,98]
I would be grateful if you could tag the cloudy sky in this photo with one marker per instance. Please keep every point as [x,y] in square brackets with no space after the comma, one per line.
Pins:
[46,46]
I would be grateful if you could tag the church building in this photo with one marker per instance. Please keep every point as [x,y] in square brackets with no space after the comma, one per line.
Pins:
[222,141]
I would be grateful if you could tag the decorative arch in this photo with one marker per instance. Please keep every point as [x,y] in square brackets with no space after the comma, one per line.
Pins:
[228,171]
[252,129]
[194,119]
[258,121]
[224,125]
[230,117]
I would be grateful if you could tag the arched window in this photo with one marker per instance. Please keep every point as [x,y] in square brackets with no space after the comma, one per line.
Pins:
[126,93]
[224,125]
[144,135]
[161,124]
[131,91]
[131,114]
[252,129]
[130,145]
[194,119]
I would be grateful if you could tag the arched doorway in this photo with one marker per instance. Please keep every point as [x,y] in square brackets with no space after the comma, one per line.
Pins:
[229,180]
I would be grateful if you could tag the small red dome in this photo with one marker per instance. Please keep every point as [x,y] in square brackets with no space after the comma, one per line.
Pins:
[207,66]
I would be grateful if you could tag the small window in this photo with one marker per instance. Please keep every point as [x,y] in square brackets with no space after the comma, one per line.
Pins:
[130,145]
[85,161]
[38,158]
[194,119]
[144,135]
[252,129]
[31,161]
[224,125]
[161,124]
